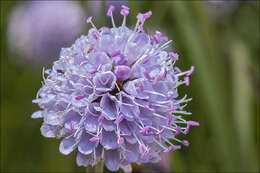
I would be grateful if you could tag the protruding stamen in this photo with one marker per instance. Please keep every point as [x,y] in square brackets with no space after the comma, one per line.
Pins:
[101,118]
[147,76]
[160,132]
[140,17]
[171,109]
[144,130]
[174,56]
[94,139]
[168,97]
[177,69]
[185,143]
[142,149]
[192,68]
[149,109]
[79,97]
[148,151]
[110,13]
[172,147]
[119,119]
[178,131]
[187,80]
[147,14]
[89,20]
[116,53]
[146,59]
[120,141]
[140,28]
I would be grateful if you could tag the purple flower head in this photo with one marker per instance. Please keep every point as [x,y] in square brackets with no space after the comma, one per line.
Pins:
[113,96]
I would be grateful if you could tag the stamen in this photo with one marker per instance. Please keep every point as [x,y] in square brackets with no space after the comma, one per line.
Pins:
[192,68]
[110,13]
[142,149]
[79,97]
[119,119]
[144,130]
[89,20]
[146,59]
[187,80]
[185,143]
[149,109]
[169,120]
[171,109]
[160,132]
[177,69]
[94,139]
[147,75]
[120,141]
[174,56]
[140,28]
[116,53]
[101,118]
[172,147]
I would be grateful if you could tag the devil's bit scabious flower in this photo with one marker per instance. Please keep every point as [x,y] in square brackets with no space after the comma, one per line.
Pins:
[113,96]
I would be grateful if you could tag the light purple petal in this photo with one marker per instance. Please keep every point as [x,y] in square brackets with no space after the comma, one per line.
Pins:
[109,140]
[49,131]
[109,106]
[112,160]
[85,146]
[67,145]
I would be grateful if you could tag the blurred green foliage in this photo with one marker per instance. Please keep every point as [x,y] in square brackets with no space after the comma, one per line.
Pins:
[223,46]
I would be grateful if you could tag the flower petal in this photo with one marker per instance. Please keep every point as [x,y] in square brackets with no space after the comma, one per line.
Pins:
[49,131]
[112,161]
[109,140]
[110,109]
[85,146]
[67,145]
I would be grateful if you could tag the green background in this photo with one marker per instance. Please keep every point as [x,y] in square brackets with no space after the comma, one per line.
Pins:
[224,48]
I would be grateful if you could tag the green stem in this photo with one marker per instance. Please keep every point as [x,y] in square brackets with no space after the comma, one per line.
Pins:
[98,168]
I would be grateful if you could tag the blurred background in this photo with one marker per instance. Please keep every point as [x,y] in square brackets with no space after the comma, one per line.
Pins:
[220,38]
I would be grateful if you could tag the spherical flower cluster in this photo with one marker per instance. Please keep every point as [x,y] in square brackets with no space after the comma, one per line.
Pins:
[113,96]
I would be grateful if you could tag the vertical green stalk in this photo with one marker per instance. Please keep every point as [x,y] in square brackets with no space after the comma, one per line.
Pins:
[98,168]
[224,138]
[242,103]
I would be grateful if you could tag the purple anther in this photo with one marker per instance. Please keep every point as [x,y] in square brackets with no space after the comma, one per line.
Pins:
[89,19]
[193,123]
[160,132]
[120,141]
[151,39]
[146,59]
[187,80]
[141,28]
[192,68]
[147,76]
[101,118]
[148,151]
[158,33]
[94,71]
[168,97]
[185,143]
[142,148]
[158,78]
[116,53]
[186,131]
[110,10]
[177,69]
[124,12]
[157,38]
[144,130]
[165,38]
[79,97]
[174,56]
[140,17]
[169,119]
[147,14]
[94,139]
[164,73]
[149,109]
[171,109]
[176,147]
[178,131]
[125,7]
[119,119]
[95,34]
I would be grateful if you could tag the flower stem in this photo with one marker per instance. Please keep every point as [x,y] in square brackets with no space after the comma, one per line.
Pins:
[98,168]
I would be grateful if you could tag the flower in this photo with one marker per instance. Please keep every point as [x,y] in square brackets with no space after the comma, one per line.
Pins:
[37,30]
[113,96]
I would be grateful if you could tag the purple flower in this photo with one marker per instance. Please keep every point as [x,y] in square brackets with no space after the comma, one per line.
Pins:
[37,30]
[113,96]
